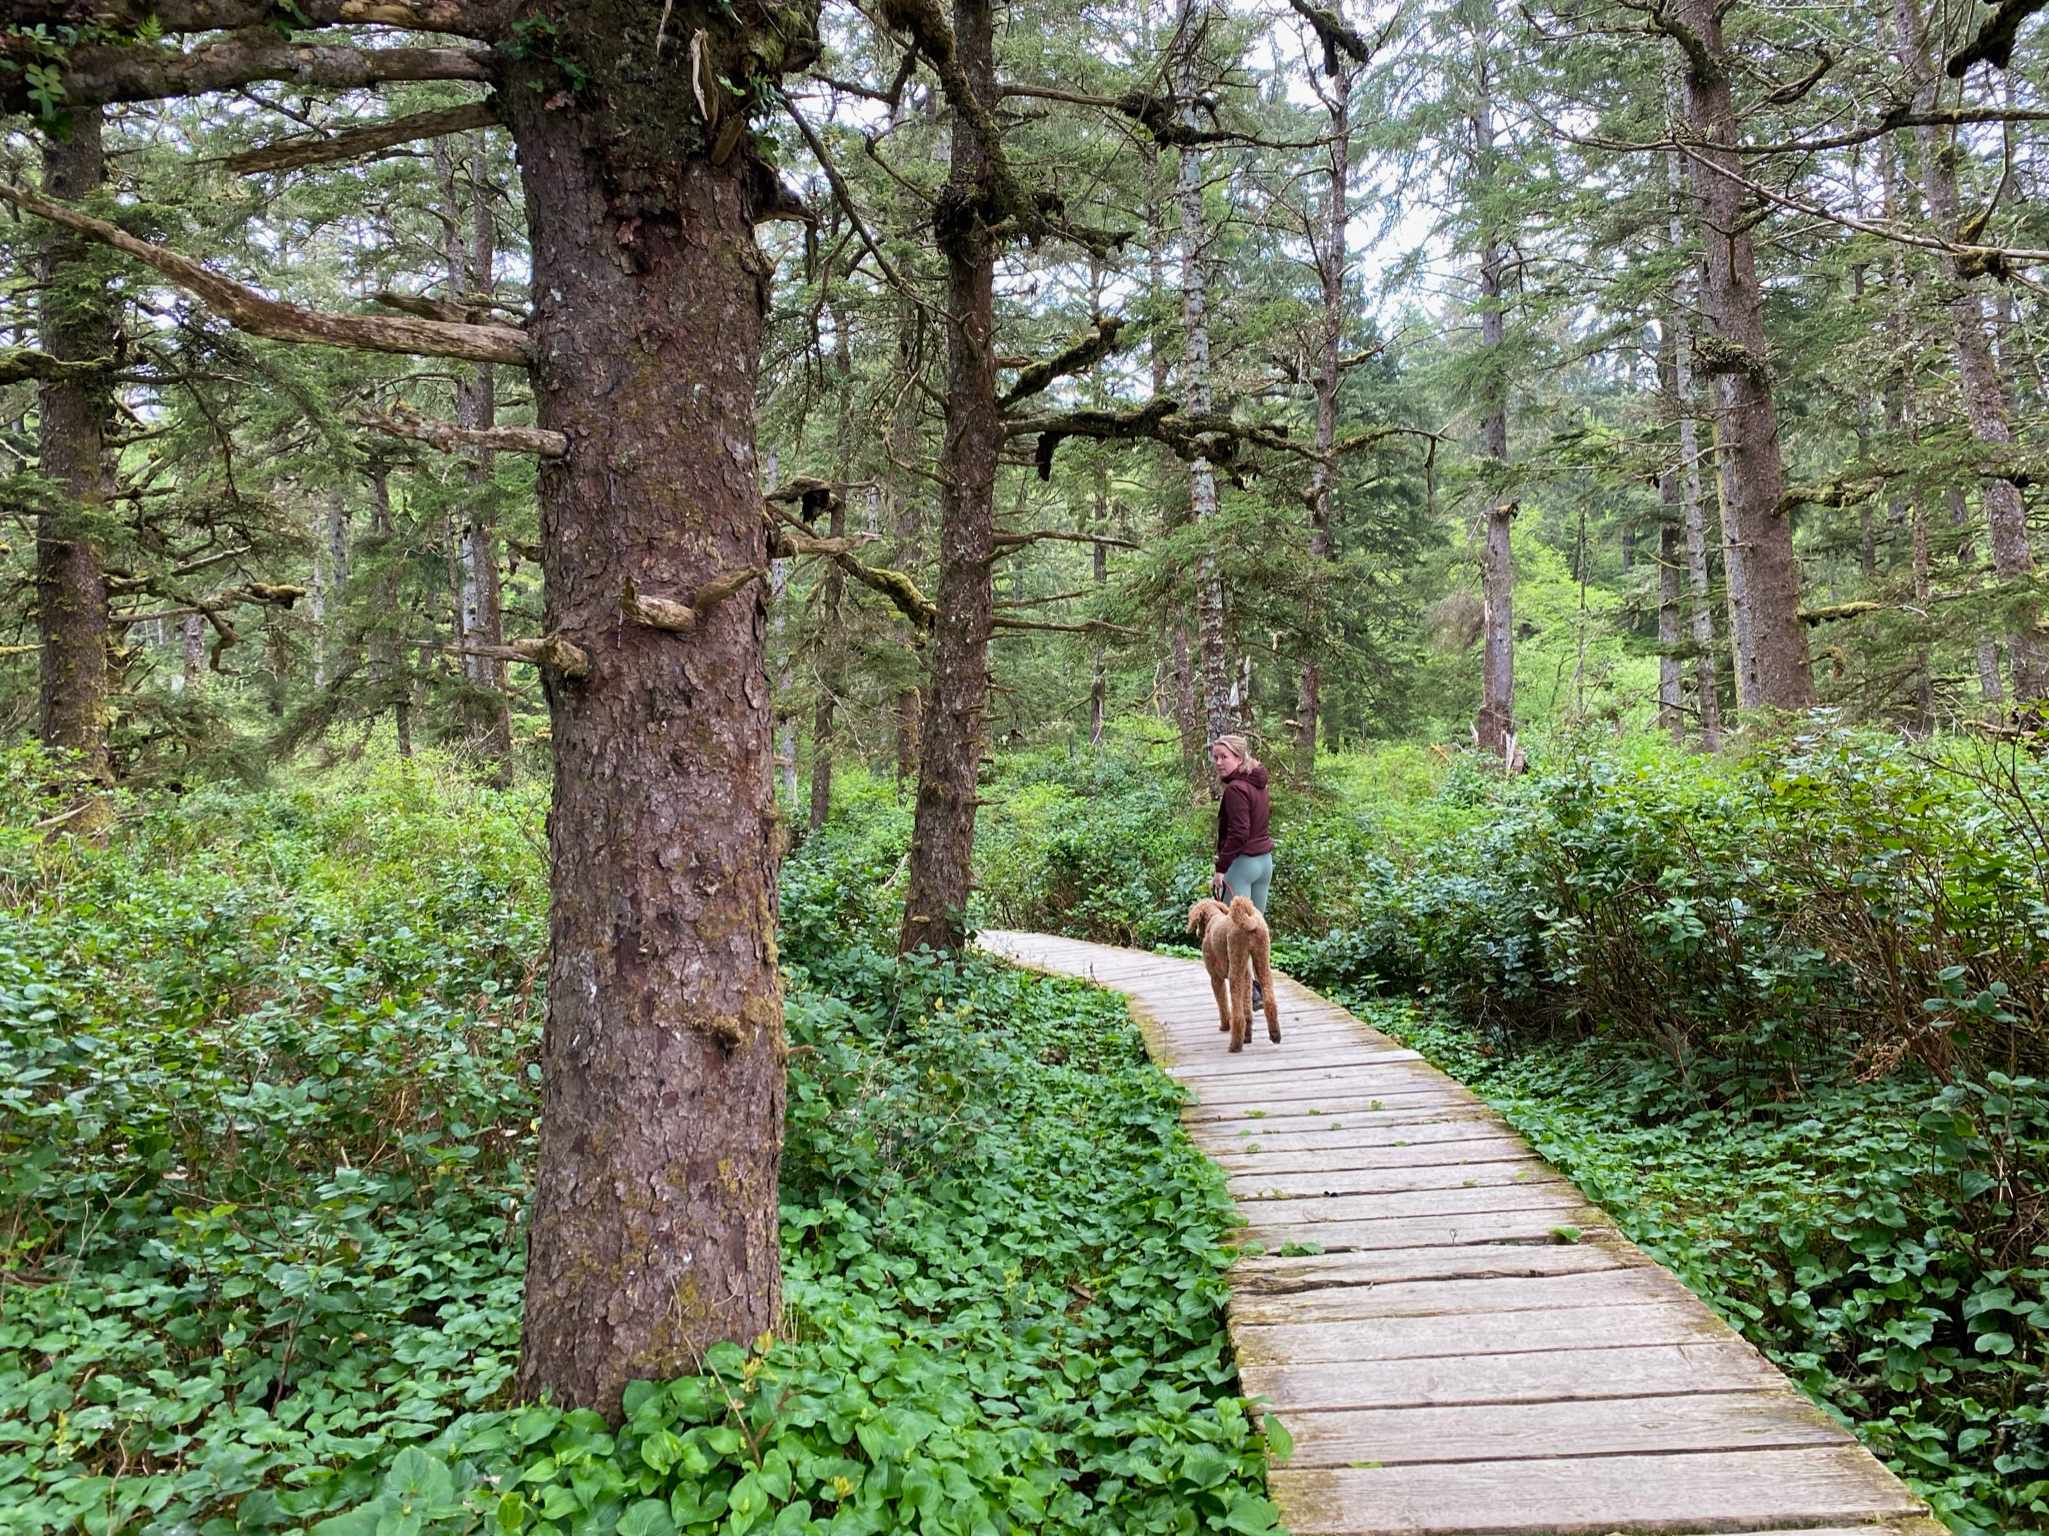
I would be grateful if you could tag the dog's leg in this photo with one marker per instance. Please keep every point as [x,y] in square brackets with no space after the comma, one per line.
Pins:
[1261,957]
[1223,994]
[1241,1003]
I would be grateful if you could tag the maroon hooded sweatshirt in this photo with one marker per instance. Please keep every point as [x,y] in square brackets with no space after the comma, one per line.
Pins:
[1241,817]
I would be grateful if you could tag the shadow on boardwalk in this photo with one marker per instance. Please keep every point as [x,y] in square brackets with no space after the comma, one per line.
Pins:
[1472,1347]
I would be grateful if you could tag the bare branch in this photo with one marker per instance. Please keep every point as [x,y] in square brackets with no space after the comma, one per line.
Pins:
[358,143]
[250,311]
[450,438]
[1011,543]
[483,19]
[1086,627]
[550,651]
[665,613]
[113,73]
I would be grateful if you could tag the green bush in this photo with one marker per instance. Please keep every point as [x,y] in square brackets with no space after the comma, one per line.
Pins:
[267,1088]
[1836,889]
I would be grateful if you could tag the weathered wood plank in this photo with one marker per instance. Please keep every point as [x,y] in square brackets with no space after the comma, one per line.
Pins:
[1309,1210]
[1337,1155]
[1773,1419]
[1719,1365]
[1726,1491]
[1339,1106]
[1529,1223]
[1428,1298]
[1272,1276]
[1393,1178]
[1590,1329]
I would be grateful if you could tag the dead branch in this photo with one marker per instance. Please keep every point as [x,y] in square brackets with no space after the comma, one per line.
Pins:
[115,73]
[358,143]
[19,363]
[1011,543]
[1994,43]
[250,311]
[1086,627]
[665,613]
[450,438]
[1335,35]
[1071,359]
[550,651]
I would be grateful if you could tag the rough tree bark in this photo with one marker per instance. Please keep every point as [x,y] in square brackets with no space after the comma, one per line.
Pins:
[655,1211]
[2006,513]
[943,835]
[1190,23]
[78,324]
[1494,730]
[1774,669]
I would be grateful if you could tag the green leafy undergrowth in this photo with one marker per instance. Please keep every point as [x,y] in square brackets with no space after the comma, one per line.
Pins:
[265,1144]
[1883,1242]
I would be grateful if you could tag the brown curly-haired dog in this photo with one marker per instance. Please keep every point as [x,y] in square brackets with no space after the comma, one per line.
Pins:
[1235,946]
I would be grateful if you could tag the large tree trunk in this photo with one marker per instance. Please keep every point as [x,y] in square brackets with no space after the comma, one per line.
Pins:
[943,837]
[79,323]
[1773,668]
[1495,728]
[2006,514]
[655,1209]
[1331,261]
[1189,26]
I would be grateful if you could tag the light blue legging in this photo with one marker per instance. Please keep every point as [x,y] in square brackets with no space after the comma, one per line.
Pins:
[1250,875]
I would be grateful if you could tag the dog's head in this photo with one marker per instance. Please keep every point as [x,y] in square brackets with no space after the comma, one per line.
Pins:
[1203,913]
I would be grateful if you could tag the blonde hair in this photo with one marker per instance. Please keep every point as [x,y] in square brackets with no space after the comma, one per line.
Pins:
[1236,746]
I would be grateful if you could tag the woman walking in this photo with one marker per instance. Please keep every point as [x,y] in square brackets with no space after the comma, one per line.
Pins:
[1245,853]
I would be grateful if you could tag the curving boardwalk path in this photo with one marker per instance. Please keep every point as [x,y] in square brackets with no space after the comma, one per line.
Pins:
[1475,1348]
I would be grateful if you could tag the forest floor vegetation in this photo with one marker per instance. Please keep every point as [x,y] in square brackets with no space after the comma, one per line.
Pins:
[267,1098]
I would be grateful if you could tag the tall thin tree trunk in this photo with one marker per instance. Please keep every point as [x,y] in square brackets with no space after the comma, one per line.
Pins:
[1775,670]
[1099,575]
[824,718]
[1495,728]
[472,279]
[2006,513]
[79,323]
[1693,514]
[943,836]
[1189,27]
[655,1224]
[387,671]
[1331,261]
[193,633]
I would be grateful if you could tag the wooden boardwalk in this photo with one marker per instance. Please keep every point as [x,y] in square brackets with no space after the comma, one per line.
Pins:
[1475,1348]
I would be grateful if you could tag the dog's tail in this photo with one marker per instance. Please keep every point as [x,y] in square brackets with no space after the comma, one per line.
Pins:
[1245,914]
